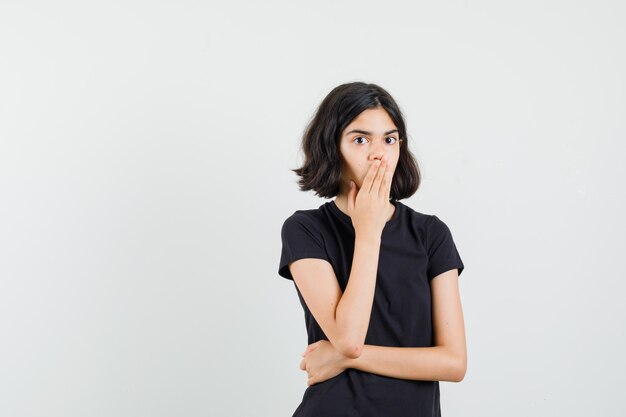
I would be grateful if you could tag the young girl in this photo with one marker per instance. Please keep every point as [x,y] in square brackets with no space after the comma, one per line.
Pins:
[378,281]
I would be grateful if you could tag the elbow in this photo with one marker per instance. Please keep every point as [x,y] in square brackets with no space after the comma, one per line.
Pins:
[460,374]
[460,369]
[352,350]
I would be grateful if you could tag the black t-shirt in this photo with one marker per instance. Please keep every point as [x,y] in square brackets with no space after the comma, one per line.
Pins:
[415,247]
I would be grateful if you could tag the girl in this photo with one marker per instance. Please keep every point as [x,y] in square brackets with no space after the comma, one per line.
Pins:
[378,281]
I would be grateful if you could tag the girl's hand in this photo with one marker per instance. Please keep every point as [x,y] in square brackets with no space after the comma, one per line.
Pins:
[322,361]
[368,205]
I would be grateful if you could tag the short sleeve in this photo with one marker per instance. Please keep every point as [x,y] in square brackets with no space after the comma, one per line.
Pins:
[442,252]
[301,238]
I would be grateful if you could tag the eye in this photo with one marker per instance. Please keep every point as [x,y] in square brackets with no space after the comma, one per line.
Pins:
[394,140]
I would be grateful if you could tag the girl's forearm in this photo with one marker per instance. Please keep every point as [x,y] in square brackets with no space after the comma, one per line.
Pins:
[434,363]
[355,306]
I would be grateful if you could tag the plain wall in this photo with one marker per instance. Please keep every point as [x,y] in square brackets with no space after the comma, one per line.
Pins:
[145,156]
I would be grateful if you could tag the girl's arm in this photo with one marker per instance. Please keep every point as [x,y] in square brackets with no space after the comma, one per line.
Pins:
[436,363]
[446,361]
[344,317]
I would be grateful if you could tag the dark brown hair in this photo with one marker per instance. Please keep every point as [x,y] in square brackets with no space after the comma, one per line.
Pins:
[322,168]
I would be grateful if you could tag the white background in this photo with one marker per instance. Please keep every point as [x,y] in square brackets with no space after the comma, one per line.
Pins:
[144,177]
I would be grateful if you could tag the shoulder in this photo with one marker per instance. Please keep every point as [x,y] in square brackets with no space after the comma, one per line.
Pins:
[437,229]
[426,220]
[308,222]
[306,217]
[435,224]
[417,220]
[301,238]
[429,226]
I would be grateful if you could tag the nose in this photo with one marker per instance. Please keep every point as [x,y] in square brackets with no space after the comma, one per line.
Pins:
[376,158]
[376,153]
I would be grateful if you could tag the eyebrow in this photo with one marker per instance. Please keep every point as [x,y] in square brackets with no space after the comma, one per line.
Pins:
[365,132]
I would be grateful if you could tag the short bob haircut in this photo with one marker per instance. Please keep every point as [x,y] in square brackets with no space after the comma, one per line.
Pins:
[322,166]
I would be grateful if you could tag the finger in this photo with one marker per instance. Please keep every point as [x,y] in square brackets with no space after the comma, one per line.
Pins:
[380,175]
[351,196]
[385,188]
[369,177]
[302,365]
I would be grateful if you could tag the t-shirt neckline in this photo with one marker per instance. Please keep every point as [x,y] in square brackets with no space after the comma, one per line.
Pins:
[343,216]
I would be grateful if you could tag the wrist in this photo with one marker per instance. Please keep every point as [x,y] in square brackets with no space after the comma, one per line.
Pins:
[367,238]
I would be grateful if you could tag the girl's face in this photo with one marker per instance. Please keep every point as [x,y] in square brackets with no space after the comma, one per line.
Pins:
[370,136]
